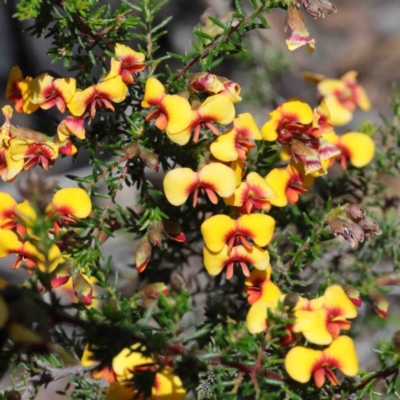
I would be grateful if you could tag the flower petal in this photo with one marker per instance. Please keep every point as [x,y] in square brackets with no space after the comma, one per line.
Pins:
[220,177]
[178,113]
[218,108]
[73,201]
[154,93]
[168,386]
[343,350]
[278,179]
[299,363]
[336,298]
[215,231]
[259,226]
[124,362]
[340,115]
[361,148]
[257,317]
[178,184]
[224,147]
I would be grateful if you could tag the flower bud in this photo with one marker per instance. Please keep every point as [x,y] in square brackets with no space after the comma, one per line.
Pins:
[83,289]
[354,211]
[370,227]
[231,89]
[61,276]
[149,159]
[380,303]
[173,230]
[353,294]
[290,301]
[150,292]
[132,150]
[142,254]
[155,235]
[205,82]
[317,8]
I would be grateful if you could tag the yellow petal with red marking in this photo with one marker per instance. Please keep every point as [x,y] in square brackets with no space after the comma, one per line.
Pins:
[361,148]
[167,386]
[312,324]
[7,205]
[257,317]
[224,147]
[259,226]
[278,179]
[340,115]
[336,298]
[218,108]
[72,201]
[178,184]
[299,34]
[300,361]
[216,230]
[244,123]
[215,262]
[9,243]
[343,350]
[154,93]
[14,166]
[221,178]
[124,362]
[178,113]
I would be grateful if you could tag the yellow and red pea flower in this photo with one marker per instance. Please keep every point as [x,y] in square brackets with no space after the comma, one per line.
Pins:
[299,34]
[295,124]
[213,178]
[11,244]
[213,84]
[322,325]
[98,96]
[356,147]
[239,256]
[235,143]
[215,109]
[259,286]
[302,363]
[18,91]
[172,112]
[71,126]
[289,183]
[67,204]
[128,363]
[252,194]
[221,229]
[342,96]
[88,359]
[47,91]
[129,62]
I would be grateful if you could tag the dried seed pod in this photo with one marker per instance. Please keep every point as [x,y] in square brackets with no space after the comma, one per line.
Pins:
[142,254]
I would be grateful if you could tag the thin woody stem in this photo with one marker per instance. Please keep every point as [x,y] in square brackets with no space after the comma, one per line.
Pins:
[214,44]
[379,375]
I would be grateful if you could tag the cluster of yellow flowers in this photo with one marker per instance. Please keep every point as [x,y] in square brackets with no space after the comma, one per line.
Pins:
[129,363]
[17,238]
[22,148]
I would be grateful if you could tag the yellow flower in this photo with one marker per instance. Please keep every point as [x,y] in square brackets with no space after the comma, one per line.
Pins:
[98,96]
[235,143]
[253,194]
[355,147]
[342,96]
[129,62]
[47,91]
[211,179]
[172,112]
[259,286]
[299,34]
[302,363]
[220,229]
[218,108]
[240,256]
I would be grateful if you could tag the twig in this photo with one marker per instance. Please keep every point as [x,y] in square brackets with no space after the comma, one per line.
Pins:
[51,374]
[214,44]
[379,375]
